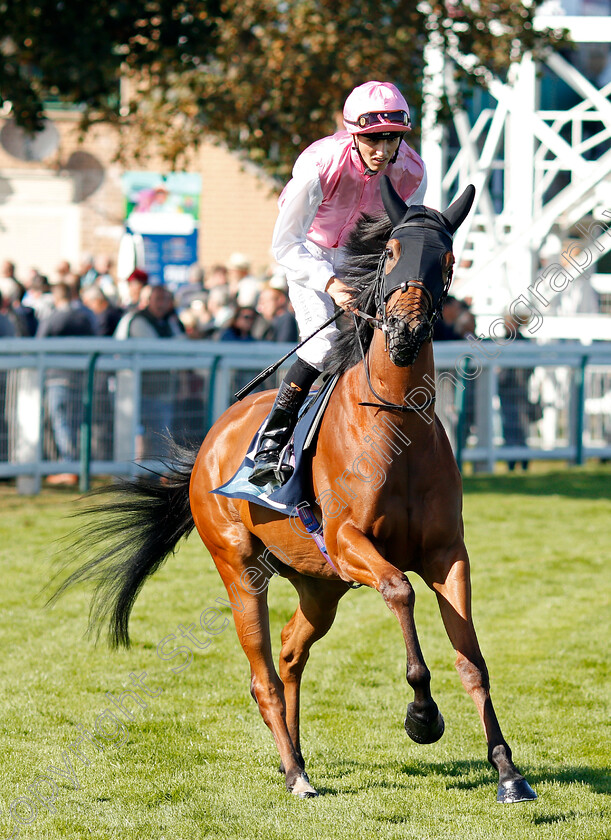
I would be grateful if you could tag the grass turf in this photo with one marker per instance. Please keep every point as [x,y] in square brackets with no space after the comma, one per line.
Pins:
[198,760]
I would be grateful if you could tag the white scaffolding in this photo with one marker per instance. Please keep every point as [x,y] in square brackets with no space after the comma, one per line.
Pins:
[519,144]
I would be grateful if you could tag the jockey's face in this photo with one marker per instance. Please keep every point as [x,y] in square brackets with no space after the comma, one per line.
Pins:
[377,151]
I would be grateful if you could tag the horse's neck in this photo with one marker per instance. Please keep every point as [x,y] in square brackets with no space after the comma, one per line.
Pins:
[413,386]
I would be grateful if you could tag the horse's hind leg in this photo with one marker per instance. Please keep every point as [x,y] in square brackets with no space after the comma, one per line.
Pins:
[453,592]
[252,625]
[311,620]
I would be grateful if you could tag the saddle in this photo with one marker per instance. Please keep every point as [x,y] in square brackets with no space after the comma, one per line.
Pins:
[295,496]
[297,455]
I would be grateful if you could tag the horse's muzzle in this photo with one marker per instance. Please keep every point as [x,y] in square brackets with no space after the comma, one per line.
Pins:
[404,344]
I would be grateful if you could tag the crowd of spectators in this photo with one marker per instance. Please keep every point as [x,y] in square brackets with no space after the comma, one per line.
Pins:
[226,303]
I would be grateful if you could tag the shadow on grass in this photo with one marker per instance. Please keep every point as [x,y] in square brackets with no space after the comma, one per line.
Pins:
[460,775]
[574,484]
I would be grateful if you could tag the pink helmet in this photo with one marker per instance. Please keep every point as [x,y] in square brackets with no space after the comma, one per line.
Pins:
[376,107]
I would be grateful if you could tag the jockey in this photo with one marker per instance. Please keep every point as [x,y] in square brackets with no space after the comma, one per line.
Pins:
[335,181]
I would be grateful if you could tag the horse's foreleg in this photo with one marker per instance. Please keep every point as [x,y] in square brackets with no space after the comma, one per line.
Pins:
[358,558]
[252,625]
[311,620]
[454,596]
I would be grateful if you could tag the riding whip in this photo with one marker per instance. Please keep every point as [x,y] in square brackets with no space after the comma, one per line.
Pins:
[268,371]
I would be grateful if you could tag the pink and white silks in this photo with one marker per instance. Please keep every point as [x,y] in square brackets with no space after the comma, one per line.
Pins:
[319,207]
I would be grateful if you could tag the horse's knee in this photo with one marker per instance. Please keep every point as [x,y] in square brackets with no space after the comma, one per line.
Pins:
[398,593]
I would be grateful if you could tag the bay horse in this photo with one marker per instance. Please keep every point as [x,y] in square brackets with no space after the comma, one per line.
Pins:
[386,485]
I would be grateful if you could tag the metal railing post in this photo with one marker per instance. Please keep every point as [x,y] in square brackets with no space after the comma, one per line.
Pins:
[211,391]
[580,409]
[85,471]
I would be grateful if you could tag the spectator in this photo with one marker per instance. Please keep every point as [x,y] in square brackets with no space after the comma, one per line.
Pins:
[242,284]
[465,323]
[517,412]
[26,322]
[138,291]
[7,329]
[193,290]
[87,272]
[240,329]
[444,328]
[38,297]
[465,326]
[273,305]
[157,319]
[191,324]
[64,320]
[134,284]
[64,387]
[220,309]
[159,387]
[240,326]
[22,317]
[62,270]
[217,276]
[238,269]
[106,315]
[105,280]
[73,281]
[10,288]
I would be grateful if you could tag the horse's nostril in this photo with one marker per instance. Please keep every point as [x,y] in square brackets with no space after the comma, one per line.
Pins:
[421,331]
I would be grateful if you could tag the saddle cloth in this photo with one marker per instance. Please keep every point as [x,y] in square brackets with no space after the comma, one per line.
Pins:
[298,488]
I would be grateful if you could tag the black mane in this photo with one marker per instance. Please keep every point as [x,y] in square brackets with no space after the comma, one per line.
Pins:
[358,270]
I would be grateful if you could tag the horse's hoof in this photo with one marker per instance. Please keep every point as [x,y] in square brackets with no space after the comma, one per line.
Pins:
[515,790]
[424,733]
[303,789]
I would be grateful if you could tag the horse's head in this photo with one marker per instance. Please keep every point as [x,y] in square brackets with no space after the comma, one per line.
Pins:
[416,270]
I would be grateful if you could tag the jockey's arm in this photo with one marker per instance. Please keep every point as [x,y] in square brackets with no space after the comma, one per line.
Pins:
[299,204]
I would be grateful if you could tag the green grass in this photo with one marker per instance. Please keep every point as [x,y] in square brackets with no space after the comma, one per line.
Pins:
[199,762]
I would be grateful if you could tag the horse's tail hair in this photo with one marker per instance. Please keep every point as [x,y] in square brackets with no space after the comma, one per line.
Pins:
[128,536]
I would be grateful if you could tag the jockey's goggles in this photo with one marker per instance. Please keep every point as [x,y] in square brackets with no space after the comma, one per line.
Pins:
[381,135]
[378,118]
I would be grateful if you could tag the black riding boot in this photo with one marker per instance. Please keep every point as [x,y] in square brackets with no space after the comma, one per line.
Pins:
[282,419]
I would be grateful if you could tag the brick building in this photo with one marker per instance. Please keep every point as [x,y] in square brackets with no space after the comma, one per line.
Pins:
[61,197]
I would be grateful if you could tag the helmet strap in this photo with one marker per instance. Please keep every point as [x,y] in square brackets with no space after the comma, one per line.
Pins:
[396,154]
[368,171]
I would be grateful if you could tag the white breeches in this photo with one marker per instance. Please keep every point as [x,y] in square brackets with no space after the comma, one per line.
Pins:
[313,308]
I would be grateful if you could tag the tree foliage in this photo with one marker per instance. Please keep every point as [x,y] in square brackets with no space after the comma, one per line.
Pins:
[266,77]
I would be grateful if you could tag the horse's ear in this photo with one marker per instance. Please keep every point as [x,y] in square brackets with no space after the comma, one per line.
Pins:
[393,203]
[458,211]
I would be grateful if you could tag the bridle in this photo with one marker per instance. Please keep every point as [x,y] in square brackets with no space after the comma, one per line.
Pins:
[381,320]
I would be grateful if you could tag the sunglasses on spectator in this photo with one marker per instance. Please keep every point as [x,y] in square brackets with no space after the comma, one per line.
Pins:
[378,117]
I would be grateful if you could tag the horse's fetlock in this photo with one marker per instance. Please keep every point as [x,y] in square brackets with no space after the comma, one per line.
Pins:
[500,757]
[418,675]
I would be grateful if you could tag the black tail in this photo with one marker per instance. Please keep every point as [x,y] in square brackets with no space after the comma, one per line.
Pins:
[130,534]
